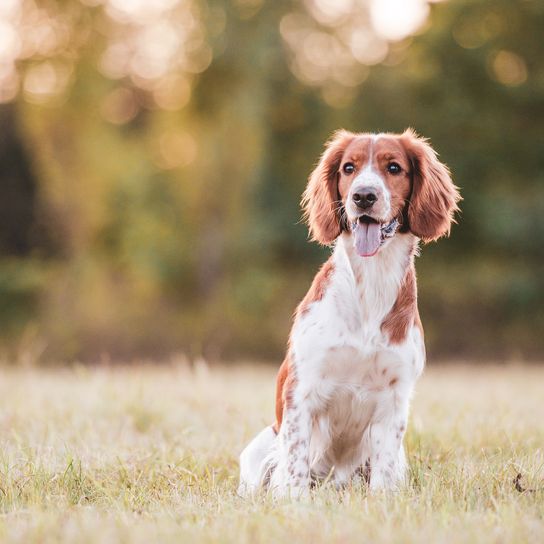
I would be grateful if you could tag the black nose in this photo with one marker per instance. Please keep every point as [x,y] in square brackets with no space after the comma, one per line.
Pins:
[365,198]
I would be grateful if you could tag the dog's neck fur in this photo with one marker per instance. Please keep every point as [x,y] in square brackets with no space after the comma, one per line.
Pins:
[377,279]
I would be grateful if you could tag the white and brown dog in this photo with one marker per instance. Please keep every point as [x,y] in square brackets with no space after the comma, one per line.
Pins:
[356,347]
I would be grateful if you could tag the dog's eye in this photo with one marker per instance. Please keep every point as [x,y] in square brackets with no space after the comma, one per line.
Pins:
[394,168]
[349,168]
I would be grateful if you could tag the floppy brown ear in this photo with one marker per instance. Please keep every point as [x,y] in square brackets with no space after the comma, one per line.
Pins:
[434,198]
[321,200]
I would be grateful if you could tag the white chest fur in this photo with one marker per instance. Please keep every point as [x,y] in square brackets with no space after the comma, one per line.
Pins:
[348,407]
[348,372]
[344,328]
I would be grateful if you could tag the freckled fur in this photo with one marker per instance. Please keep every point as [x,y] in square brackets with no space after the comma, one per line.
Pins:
[356,347]
[285,384]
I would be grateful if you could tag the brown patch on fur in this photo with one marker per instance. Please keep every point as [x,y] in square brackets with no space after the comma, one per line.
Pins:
[320,200]
[393,382]
[285,383]
[317,289]
[434,198]
[403,314]
[424,182]
[286,379]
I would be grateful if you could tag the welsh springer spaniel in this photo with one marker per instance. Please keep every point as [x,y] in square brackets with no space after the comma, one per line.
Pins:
[356,346]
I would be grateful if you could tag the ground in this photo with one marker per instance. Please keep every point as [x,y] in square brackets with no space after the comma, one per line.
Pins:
[149,454]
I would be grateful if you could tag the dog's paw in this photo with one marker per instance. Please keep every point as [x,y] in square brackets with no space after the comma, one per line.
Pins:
[293,492]
[247,491]
[386,480]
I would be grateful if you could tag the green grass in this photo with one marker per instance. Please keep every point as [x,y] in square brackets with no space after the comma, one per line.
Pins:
[148,454]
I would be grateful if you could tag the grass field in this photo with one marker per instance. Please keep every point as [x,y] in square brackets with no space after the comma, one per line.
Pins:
[149,454]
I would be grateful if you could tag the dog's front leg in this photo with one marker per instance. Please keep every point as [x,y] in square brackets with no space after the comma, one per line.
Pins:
[291,477]
[385,443]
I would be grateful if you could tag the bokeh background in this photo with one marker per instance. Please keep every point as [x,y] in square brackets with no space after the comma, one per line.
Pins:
[153,153]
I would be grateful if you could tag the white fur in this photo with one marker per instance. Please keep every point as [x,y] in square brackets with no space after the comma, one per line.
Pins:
[351,399]
[368,178]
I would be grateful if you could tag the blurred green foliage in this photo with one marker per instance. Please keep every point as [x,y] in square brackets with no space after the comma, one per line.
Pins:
[147,214]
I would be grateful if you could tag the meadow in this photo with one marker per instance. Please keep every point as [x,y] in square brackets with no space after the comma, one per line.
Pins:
[148,453]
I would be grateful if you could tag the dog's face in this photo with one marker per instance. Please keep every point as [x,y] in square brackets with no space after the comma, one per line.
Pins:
[376,185]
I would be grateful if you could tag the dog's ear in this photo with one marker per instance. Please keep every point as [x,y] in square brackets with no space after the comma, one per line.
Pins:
[434,197]
[321,200]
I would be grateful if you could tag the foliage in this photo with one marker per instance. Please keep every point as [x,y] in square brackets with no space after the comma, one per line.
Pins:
[159,157]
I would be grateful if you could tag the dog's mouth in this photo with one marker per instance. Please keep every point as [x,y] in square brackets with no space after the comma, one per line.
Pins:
[370,234]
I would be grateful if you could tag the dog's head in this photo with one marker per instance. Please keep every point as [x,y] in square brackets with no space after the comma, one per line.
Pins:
[377,185]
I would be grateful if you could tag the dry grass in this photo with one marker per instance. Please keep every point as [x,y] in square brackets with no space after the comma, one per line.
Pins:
[148,454]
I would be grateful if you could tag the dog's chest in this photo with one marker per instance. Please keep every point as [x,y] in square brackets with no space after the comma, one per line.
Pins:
[338,345]
[341,348]
[362,373]
[362,295]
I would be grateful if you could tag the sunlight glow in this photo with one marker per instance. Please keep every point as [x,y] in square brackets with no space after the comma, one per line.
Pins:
[45,80]
[508,68]
[331,12]
[158,44]
[176,149]
[397,19]
[333,42]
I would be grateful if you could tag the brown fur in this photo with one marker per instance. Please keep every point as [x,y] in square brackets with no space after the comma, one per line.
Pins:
[320,200]
[403,314]
[318,287]
[386,149]
[286,378]
[285,383]
[434,198]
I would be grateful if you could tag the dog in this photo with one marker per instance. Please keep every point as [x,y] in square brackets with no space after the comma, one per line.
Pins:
[356,347]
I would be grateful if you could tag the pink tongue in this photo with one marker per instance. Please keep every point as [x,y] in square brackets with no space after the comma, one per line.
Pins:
[367,238]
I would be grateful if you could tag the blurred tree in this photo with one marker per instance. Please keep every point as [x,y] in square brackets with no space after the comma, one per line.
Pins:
[18,184]
[162,147]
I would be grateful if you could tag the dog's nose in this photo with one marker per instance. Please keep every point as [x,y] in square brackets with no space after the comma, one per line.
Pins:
[365,198]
